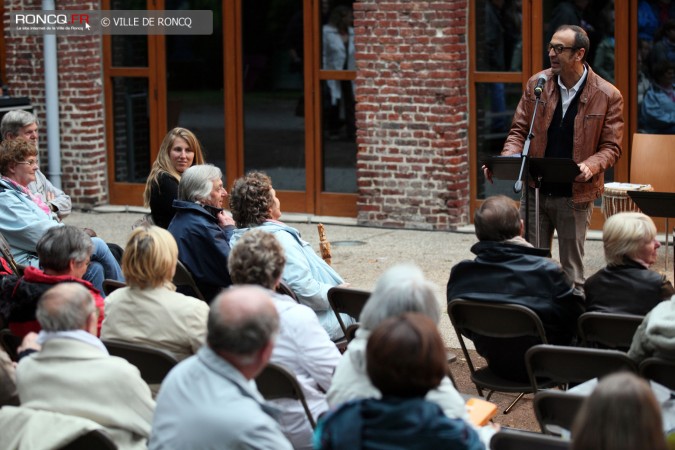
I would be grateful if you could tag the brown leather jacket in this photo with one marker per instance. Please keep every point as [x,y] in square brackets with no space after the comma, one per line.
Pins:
[598,128]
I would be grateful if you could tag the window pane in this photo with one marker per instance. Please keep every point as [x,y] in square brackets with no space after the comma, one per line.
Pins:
[274,122]
[194,81]
[131,129]
[496,104]
[129,51]
[498,35]
[339,137]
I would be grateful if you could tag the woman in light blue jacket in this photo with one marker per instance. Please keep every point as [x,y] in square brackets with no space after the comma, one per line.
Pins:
[254,204]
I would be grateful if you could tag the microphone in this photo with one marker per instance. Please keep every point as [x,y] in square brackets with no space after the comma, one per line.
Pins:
[540,85]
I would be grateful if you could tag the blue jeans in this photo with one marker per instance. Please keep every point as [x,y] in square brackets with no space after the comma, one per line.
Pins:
[103,265]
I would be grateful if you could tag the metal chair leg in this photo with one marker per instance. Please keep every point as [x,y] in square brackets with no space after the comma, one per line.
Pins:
[513,403]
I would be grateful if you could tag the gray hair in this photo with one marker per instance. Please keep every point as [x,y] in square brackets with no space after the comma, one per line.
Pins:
[400,289]
[65,307]
[196,183]
[14,120]
[241,334]
[59,245]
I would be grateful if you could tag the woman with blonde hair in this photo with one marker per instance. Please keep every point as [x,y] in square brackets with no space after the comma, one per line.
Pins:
[180,149]
[626,285]
[621,414]
[149,311]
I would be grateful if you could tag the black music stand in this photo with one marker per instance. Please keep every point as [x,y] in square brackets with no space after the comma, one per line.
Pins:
[656,204]
[550,170]
[507,168]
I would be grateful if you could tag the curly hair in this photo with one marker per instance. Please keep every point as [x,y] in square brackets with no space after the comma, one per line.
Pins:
[163,162]
[15,151]
[257,258]
[251,199]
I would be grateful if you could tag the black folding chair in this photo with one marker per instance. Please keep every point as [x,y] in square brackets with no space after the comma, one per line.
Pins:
[556,409]
[93,440]
[110,286]
[524,440]
[185,283]
[347,301]
[276,382]
[153,363]
[608,330]
[660,370]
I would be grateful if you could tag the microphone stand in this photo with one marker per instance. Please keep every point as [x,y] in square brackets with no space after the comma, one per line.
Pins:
[518,186]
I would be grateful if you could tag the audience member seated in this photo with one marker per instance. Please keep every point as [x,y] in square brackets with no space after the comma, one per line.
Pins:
[209,401]
[657,111]
[626,285]
[254,203]
[64,254]
[621,414]
[24,217]
[507,269]
[655,336]
[400,289]
[179,150]
[302,346]
[74,375]
[202,229]
[149,311]
[20,124]
[405,360]
[8,393]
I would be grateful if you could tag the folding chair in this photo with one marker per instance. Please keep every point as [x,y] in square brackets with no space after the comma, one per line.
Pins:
[6,253]
[524,440]
[93,440]
[276,382]
[153,363]
[347,301]
[660,370]
[9,343]
[285,289]
[556,409]
[563,365]
[498,321]
[110,286]
[185,283]
[607,330]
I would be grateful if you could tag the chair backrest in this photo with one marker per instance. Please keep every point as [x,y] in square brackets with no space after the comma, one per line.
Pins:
[646,149]
[564,365]
[185,283]
[93,440]
[348,301]
[494,320]
[6,253]
[524,440]
[557,408]
[9,343]
[276,382]
[153,363]
[660,370]
[109,286]
[607,330]
[285,289]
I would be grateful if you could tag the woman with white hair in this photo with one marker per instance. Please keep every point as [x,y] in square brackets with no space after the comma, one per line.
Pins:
[202,228]
[626,285]
[400,289]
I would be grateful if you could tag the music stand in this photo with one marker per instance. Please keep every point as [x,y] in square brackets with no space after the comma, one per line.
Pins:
[656,204]
[551,170]
[507,168]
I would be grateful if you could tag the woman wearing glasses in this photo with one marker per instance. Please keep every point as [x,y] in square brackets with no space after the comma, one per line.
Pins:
[24,217]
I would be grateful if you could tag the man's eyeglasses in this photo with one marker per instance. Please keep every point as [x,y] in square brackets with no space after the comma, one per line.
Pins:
[30,162]
[559,48]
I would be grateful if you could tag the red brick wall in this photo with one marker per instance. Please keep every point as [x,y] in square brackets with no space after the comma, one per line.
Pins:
[412,113]
[80,91]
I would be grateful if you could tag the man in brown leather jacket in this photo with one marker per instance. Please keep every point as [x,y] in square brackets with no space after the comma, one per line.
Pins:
[579,117]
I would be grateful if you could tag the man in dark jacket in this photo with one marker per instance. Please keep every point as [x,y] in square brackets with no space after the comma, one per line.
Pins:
[508,269]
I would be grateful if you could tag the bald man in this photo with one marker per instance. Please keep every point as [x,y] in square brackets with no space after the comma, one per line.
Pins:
[209,401]
[73,374]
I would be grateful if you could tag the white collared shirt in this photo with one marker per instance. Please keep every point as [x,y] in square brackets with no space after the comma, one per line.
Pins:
[567,95]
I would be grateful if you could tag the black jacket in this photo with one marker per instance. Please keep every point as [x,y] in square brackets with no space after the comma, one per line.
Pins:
[516,274]
[630,288]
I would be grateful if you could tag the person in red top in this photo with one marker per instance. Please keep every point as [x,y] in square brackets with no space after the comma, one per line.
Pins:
[64,254]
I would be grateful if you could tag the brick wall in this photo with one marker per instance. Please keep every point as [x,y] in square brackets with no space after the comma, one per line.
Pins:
[80,91]
[412,113]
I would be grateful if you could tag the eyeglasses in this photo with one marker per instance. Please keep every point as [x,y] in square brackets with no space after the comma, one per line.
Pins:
[559,48]
[30,162]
